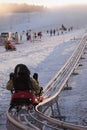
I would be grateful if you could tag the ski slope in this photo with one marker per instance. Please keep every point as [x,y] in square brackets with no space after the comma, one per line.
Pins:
[45,57]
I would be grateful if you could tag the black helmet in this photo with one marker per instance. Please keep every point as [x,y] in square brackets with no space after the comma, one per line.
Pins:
[21,68]
[21,77]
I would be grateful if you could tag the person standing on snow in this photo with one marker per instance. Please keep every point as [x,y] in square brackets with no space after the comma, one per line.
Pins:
[51,32]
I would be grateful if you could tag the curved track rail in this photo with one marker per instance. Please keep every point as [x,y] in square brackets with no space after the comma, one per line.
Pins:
[40,118]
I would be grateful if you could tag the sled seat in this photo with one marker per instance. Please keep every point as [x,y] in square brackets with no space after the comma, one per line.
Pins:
[23,97]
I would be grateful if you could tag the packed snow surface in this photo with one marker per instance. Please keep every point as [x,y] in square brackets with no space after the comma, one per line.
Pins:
[46,57]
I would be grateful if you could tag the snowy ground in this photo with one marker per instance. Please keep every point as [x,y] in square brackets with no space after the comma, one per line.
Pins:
[75,101]
[47,57]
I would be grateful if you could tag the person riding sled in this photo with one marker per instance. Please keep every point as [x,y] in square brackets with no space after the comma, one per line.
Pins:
[21,80]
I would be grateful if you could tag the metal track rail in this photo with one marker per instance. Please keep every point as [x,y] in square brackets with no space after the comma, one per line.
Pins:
[40,118]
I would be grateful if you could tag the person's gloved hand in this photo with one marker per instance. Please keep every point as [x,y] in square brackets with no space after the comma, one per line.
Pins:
[11,75]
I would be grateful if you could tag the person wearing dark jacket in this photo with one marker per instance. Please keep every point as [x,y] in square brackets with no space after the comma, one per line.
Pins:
[14,84]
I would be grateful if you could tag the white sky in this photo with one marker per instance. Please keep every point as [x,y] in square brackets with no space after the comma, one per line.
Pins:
[48,3]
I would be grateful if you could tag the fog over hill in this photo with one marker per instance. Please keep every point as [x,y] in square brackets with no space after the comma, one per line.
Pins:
[74,14]
[17,8]
[50,18]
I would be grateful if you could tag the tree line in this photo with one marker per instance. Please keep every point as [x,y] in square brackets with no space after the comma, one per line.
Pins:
[20,8]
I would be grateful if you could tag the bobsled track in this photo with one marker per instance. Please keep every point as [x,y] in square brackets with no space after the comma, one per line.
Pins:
[42,118]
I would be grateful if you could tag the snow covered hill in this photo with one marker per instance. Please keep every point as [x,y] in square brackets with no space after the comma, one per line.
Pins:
[45,57]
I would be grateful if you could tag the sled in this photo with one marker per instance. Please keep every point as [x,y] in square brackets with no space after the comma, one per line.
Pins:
[9,47]
[25,98]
